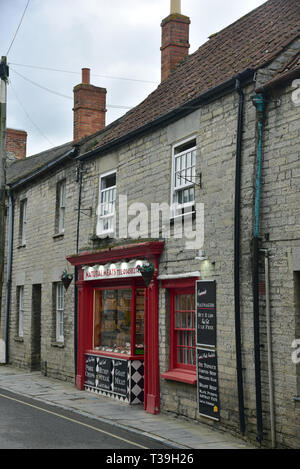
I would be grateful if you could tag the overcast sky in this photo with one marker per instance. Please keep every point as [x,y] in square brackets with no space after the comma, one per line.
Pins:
[114,38]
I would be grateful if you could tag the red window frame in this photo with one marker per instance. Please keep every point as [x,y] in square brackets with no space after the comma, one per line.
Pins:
[179,371]
[179,318]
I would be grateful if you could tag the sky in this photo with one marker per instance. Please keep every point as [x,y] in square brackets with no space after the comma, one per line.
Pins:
[119,40]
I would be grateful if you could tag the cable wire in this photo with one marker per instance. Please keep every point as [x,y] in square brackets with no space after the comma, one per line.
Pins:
[13,40]
[29,118]
[61,94]
[77,73]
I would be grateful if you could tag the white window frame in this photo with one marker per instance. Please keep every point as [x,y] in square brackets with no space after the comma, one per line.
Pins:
[62,187]
[177,209]
[21,311]
[23,221]
[110,216]
[59,312]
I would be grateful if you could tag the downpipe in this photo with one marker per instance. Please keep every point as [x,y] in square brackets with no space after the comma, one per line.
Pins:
[259,103]
[269,344]
[9,272]
[237,238]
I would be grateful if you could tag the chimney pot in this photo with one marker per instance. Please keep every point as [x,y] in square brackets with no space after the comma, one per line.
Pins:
[175,6]
[86,73]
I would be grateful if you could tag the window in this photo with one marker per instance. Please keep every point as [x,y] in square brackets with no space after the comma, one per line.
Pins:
[59,311]
[60,207]
[183,329]
[182,365]
[23,222]
[183,178]
[20,299]
[106,209]
[119,320]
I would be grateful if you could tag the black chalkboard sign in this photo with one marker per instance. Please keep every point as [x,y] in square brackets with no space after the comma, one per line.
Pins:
[90,371]
[120,377]
[104,373]
[206,321]
[207,386]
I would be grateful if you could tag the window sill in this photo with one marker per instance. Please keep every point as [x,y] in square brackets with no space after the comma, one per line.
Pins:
[19,339]
[58,235]
[181,375]
[57,344]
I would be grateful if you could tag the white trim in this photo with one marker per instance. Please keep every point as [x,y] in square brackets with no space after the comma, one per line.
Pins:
[99,231]
[174,276]
[173,189]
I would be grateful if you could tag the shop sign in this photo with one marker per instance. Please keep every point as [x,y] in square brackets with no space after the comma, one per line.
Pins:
[206,313]
[111,271]
[207,384]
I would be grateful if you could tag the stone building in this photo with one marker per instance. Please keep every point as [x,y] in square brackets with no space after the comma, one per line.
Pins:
[213,153]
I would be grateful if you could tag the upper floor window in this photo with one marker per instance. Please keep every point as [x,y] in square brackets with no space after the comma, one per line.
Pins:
[23,222]
[183,178]
[60,207]
[107,199]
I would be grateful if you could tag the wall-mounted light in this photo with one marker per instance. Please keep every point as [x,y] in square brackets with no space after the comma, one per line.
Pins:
[201,255]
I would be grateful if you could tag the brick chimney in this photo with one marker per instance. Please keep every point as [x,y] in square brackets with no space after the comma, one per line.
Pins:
[175,39]
[89,107]
[16,141]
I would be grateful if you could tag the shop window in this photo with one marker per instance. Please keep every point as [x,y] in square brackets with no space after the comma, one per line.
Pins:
[106,209]
[182,335]
[119,321]
[183,178]
[183,330]
[23,222]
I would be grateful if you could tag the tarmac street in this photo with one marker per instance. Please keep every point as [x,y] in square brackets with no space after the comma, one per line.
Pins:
[37,396]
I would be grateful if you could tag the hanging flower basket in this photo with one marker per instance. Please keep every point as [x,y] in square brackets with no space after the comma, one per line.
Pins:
[147,271]
[66,279]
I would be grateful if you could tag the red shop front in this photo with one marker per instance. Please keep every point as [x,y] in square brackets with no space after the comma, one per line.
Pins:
[117,332]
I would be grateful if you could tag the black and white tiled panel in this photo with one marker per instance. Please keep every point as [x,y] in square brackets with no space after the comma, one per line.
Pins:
[137,382]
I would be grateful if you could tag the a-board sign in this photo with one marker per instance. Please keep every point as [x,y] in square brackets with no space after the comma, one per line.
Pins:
[207,384]
[90,370]
[120,377]
[206,321]
[104,373]
[109,374]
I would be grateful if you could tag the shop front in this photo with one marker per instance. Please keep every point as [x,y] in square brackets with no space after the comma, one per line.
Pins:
[117,323]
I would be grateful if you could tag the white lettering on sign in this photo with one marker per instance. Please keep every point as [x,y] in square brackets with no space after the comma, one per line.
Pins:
[119,270]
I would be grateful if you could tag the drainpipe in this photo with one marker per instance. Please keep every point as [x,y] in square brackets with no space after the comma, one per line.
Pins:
[237,237]
[259,103]
[9,271]
[269,342]
[79,180]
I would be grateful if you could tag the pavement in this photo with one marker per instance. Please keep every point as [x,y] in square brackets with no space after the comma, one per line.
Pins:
[174,431]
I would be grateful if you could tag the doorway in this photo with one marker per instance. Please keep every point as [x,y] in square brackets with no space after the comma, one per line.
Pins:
[36,309]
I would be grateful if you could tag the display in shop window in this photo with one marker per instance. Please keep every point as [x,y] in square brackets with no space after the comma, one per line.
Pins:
[113,321]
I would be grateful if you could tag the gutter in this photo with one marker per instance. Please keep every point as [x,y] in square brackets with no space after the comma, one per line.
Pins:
[9,272]
[185,109]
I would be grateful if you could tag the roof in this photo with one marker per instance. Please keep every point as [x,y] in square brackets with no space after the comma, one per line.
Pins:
[25,167]
[251,42]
